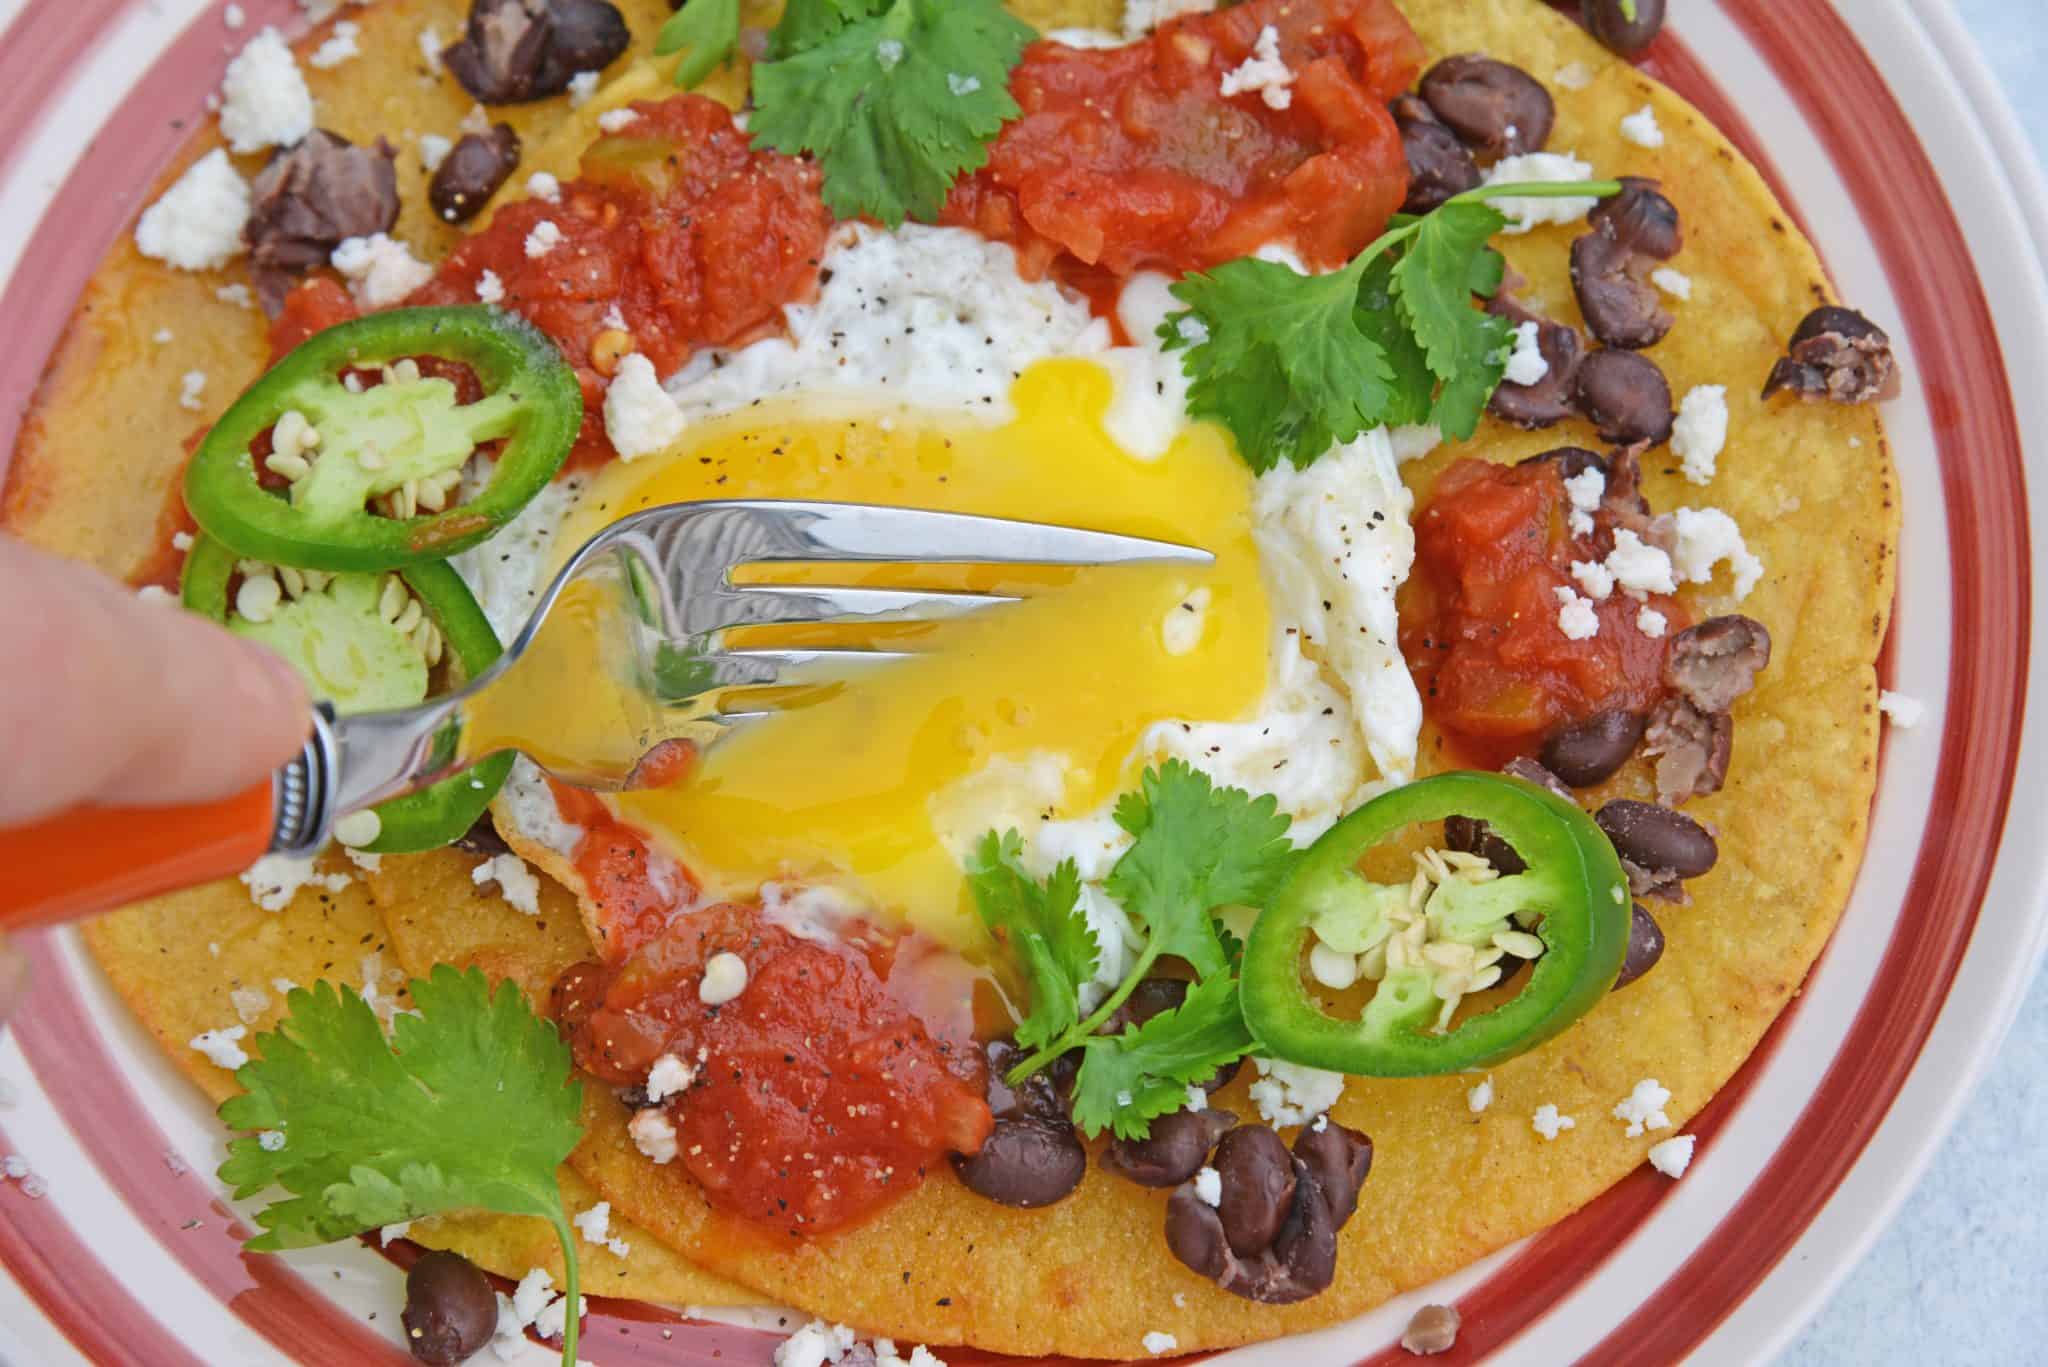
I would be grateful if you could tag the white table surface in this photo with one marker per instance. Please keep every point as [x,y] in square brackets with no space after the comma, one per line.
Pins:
[1959,1277]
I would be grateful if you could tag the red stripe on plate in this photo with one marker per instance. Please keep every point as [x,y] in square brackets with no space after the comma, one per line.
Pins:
[181,1209]
[88,1304]
[37,58]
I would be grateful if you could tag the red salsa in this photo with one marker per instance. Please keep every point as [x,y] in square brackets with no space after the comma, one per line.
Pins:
[816,1098]
[1131,157]
[636,889]
[1480,615]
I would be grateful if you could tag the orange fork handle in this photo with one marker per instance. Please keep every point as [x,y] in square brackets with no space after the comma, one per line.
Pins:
[95,858]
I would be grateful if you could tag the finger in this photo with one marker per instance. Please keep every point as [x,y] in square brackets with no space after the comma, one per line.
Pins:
[116,700]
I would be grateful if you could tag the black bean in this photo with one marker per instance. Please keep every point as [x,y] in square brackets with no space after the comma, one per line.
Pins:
[482,838]
[1589,751]
[1839,355]
[1716,661]
[1431,1330]
[1037,1097]
[1470,835]
[1640,218]
[1174,1151]
[1529,771]
[472,172]
[1338,1158]
[1549,400]
[1258,1187]
[1025,1162]
[1621,307]
[1569,460]
[1147,1000]
[1625,26]
[1645,946]
[1626,397]
[1658,837]
[450,1309]
[1692,748]
[517,50]
[307,200]
[1496,109]
[1438,164]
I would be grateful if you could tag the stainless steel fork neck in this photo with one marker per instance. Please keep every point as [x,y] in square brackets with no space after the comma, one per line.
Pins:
[303,791]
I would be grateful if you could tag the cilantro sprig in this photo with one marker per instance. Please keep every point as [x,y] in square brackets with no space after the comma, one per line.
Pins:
[895,98]
[1195,848]
[469,1106]
[1294,364]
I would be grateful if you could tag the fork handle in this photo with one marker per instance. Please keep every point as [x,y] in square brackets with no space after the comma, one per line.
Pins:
[93,858]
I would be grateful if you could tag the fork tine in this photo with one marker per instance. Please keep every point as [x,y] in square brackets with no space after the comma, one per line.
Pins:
[855,531]
[762,604]
[779,660]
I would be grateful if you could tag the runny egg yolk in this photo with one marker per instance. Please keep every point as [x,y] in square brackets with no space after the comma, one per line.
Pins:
[866,787]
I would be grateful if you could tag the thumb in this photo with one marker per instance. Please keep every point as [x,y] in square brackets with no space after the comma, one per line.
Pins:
[116,700]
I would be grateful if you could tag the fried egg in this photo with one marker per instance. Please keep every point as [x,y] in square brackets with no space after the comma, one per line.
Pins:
[927,373]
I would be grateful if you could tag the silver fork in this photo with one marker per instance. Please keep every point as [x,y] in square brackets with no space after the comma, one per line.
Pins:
[665,599]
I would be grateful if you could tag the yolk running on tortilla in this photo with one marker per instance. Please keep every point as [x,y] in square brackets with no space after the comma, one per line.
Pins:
[852,789]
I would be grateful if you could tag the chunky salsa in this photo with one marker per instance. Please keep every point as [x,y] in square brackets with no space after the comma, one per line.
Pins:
[814,1096]
[1132,156]
[1480,616]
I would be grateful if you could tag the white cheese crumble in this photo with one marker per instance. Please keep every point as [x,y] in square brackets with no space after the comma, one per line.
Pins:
[545,237]
[1672,281]
[263,98]
[1672,1156]
[654,1134]
[1585,490]
[1651,622]
[1525,363]
[197,224]
[1263,72]
[380,269]
[640,416]
[669,1076]
[1643,1108]
[431,47]
[618,120]
[725,977]
[1573,76]
[1575,615]
[270,1141]
[1291,1094]
[1641,128]
[1185,622]
[888,53]
[1209,1187]
[1700,432]
[190,387]
[339,47]
[249,1003]
[238,294]
[581,87]
[434,150]
[1594,578]
[1480,1097]
[275,879]
[386,1234]
[234,16]
[595,1227]
[1900,710]
[1158,1343]
[489,288]
[14,1167]
[962,86]
[1534,167]
[814,1345]
[221,1046]
[1639,567]
[516,882]
[1198,1099]
[543,185]
[1142,16]
[1706,537]
[1548,1123]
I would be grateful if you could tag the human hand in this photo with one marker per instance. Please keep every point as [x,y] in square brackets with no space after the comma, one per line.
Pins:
[110,699]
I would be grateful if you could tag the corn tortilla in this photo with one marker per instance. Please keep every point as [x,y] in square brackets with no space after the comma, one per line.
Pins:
[1811,485]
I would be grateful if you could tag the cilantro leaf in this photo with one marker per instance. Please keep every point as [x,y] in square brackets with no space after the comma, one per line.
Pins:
[1411,388]
[1281,361]
[1044,926]
[1465,348]
[1127,1081]
[1195,847]
[894,105]
[807,23]
[709,29]
[470,1106]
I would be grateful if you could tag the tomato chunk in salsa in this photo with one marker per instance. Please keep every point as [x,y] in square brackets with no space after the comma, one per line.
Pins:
[1132,157]
[817,1096]
[677,235]
[1479,617]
